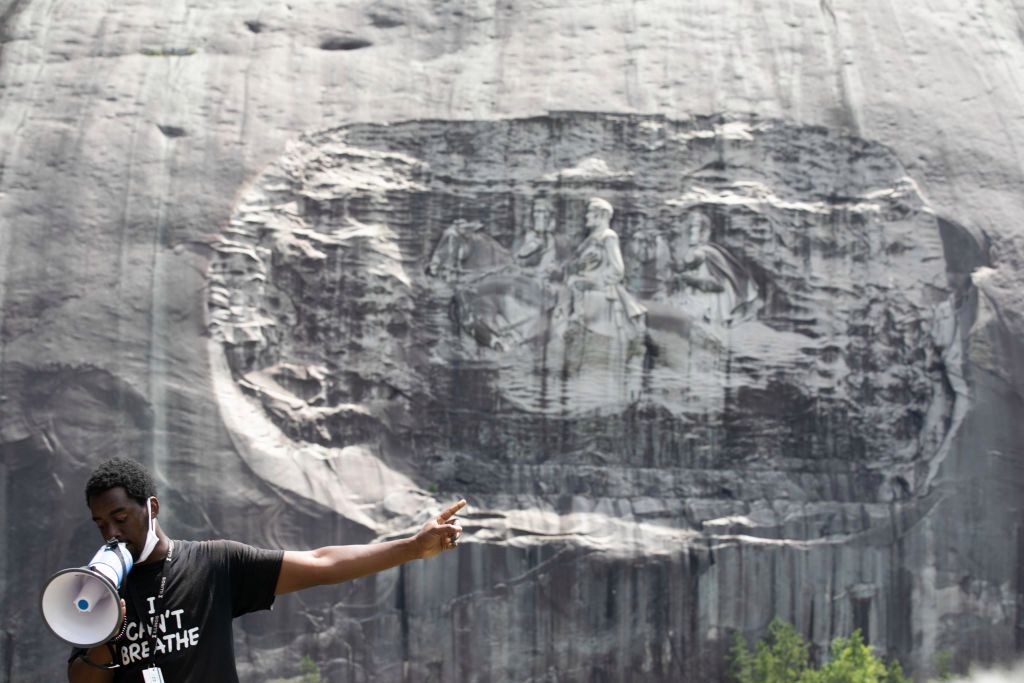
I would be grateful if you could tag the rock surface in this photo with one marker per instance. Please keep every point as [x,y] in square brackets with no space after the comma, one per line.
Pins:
[317,336]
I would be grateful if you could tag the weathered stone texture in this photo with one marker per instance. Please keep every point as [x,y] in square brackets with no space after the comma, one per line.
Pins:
[226,246]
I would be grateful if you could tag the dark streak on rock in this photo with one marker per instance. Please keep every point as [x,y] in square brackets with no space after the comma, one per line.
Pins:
[344,43]
[380,20]
[172,131]
[826,7]
[255,25]
[6,17]
[169,51]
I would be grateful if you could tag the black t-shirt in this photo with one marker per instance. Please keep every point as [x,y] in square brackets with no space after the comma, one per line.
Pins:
[209,583]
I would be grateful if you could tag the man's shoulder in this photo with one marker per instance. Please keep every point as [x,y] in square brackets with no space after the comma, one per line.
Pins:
[221,549]
[212,548]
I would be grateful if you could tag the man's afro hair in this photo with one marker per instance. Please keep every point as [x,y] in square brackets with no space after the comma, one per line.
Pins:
[134,478]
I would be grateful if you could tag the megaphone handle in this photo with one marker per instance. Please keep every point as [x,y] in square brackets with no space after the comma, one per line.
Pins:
[124,625]
[84,656]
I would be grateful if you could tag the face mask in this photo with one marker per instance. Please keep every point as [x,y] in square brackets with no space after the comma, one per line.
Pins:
[151,537]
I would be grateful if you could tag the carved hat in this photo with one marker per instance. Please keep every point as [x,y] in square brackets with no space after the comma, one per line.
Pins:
[603,205]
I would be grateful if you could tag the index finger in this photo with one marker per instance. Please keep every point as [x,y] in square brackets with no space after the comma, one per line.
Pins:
[447,514]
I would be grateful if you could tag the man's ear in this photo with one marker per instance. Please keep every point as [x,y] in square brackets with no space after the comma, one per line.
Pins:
[154,506]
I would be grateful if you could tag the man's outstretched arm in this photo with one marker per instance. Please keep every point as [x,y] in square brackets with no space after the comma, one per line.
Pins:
[334,564]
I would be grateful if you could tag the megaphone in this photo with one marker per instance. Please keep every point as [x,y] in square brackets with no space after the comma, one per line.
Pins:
[81,605]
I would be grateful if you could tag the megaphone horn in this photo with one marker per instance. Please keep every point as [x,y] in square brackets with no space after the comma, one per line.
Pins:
[81,605]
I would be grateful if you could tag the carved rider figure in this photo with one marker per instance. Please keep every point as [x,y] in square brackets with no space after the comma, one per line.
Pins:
[718,287]
[597,298]
[538,248]
[465,249]
[649,271]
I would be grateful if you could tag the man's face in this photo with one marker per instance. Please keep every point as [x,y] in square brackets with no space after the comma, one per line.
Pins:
[595,217]
[541,216]
[699,231]
[120,517]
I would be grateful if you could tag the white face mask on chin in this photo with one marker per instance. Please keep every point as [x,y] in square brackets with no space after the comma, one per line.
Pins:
[151,537]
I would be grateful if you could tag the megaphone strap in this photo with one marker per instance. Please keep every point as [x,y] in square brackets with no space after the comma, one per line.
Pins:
[112,546]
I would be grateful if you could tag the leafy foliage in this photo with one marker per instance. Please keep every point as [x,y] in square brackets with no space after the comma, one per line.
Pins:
[783,656]
[310,670]
[944,665]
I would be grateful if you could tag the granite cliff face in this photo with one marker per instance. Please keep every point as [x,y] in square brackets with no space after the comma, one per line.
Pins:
[389,299]
[781,378]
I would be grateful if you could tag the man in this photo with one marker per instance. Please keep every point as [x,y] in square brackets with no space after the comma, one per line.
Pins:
[181,596]
[597,297]
[539,249]
[719,289]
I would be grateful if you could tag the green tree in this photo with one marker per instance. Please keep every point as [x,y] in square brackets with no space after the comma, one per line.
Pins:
[944,665]
[741,661]
[894,674]
[853,662]
[309,670]
[782,657]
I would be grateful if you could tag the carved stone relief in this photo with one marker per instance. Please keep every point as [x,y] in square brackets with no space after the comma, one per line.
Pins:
[450,291]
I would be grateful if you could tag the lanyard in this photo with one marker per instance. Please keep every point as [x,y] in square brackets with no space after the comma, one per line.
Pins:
[158,604]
